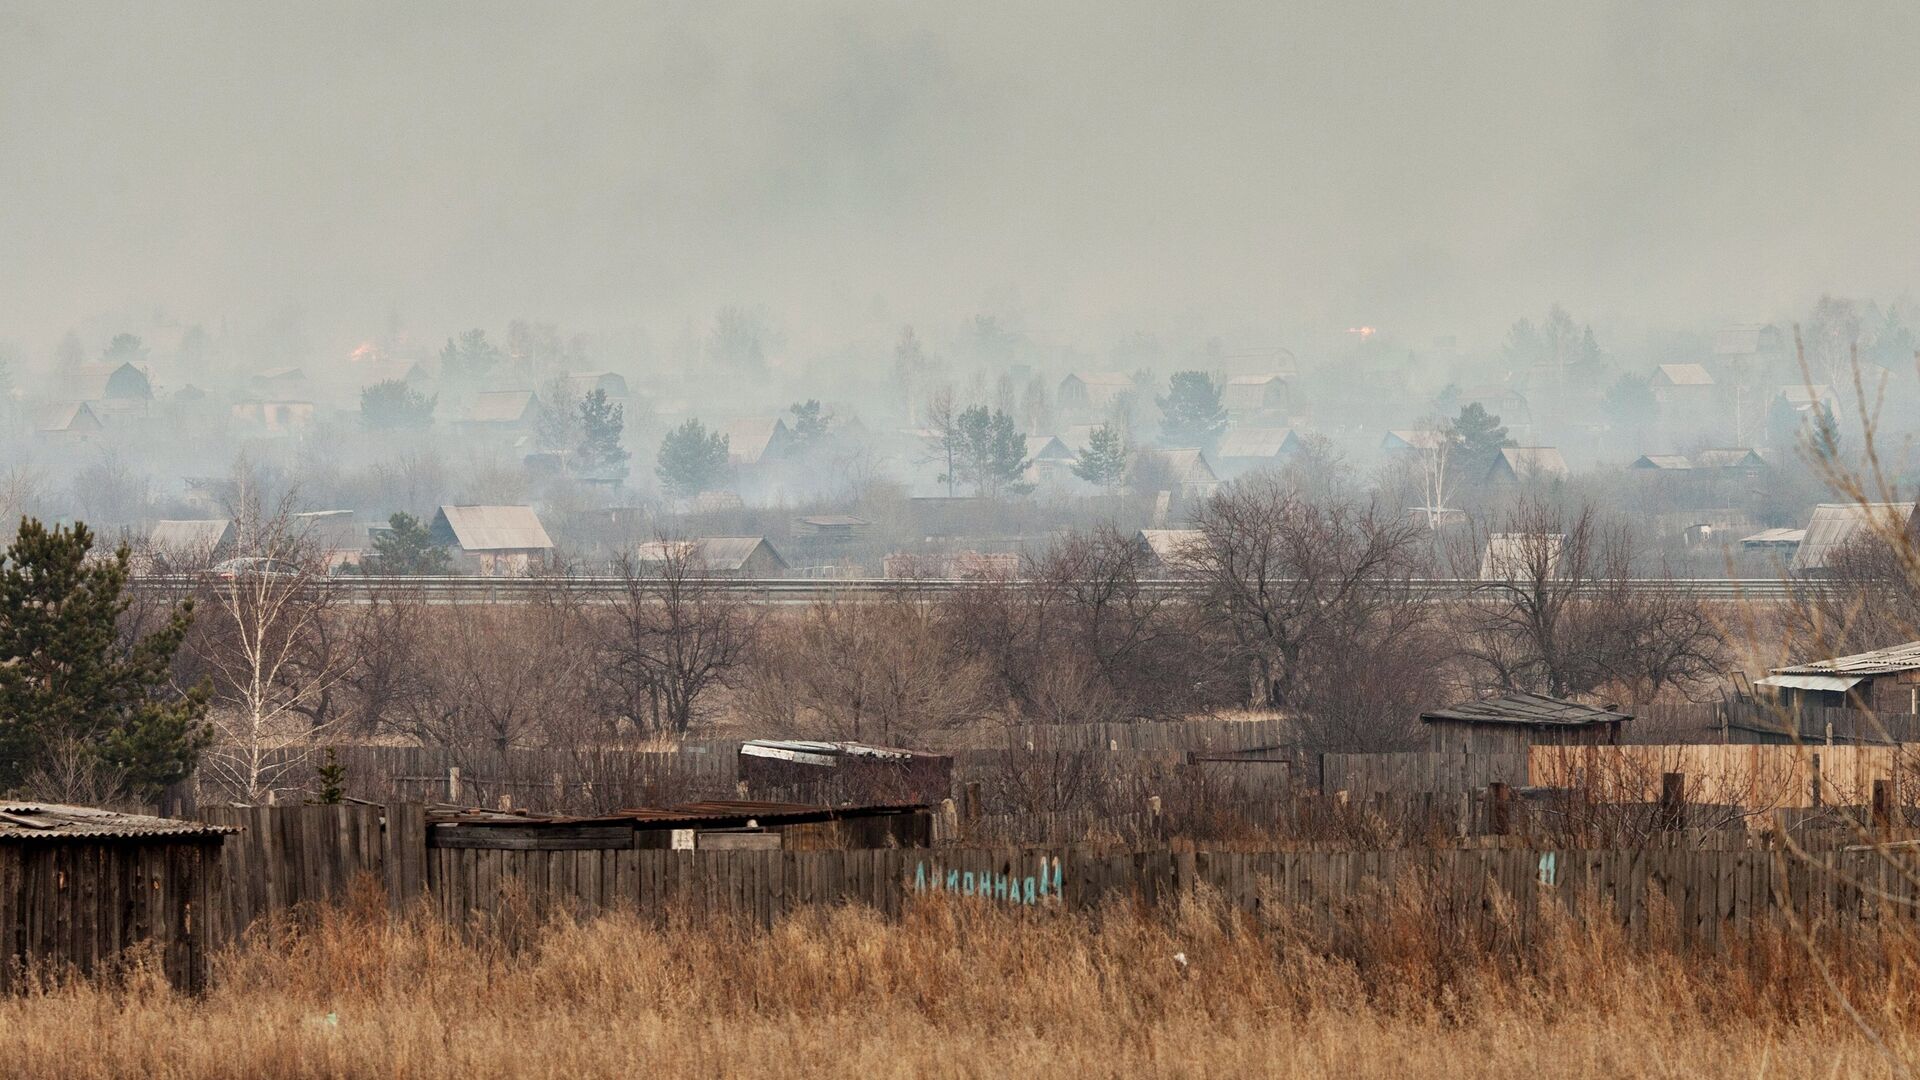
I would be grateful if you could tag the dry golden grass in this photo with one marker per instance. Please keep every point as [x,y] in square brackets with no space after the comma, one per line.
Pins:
[963,991]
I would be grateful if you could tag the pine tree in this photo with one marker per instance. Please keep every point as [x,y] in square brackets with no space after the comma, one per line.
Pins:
[692,459]
[1190,413]
[601,424]
[810,423]
[407,549]
[1478,440]
[392,405]
[1104,462]
[991,454]
[66,679]
[333,780]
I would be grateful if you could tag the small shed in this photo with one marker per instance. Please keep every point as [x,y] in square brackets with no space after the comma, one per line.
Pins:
[79,886]
[494,541]
[1514,722]
[836,773]
[1882,680]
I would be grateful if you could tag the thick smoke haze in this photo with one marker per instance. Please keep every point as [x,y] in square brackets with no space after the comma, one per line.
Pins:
[1431,169]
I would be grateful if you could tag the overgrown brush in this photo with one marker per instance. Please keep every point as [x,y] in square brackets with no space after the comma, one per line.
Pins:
[1390,987]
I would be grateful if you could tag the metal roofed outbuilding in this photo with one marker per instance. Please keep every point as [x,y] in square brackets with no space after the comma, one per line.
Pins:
[80,886]
[1883,680]
[1519,720]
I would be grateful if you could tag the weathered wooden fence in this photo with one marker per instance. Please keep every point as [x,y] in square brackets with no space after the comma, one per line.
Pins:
[289,856]
[1363,775]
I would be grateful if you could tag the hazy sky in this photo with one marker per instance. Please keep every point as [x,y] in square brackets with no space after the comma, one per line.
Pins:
[1427,167]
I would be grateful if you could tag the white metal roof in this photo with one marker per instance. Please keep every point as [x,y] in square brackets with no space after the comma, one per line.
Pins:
[492,528]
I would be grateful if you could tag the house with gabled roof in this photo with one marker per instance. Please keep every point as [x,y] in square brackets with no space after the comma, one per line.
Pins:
[1520,464]
[1244,448]
[1836,525]
[1250,396]
[502,411]
[1181,470]
[1089,393]
[757,440]
[718,556]
[492,541]
[66,423]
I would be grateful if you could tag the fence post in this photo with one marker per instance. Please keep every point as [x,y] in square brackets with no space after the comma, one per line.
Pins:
[972,796]
[453,784]
[1498,822]
[1155,821]
[1673,800]
[1882,803]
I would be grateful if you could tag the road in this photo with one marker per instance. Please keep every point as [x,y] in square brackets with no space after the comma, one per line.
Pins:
[801,591]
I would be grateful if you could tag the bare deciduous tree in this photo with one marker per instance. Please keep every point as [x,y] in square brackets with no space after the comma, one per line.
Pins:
[674,637]
[1300,587]
[1558,612]
[265,636]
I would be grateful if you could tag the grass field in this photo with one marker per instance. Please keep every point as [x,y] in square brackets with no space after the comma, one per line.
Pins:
[970,992]
[952,991]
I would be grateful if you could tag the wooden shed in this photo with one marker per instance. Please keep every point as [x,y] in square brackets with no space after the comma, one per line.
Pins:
[79,886]
[1518,721]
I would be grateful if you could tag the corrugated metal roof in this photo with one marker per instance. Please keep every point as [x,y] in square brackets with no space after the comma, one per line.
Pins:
[190,536]
[1413,438]
[1256,442]
[1534,460]
[1685,375]
[1733,457]
[1104,378]
[66,416]
[783,747]
[500,406]
[1662,462]
[1833,525]
[1186,465]
[1875,662]
[58,821]
[1516,556]
[1169,545]
[712,813]
[1775,538]
[1829,683]
[750,437]
[493,528]
[1531,710]
[720,553]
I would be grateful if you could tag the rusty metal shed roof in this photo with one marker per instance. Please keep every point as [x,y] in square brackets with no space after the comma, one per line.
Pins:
[715,813]
[57,821]
[1526,710]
